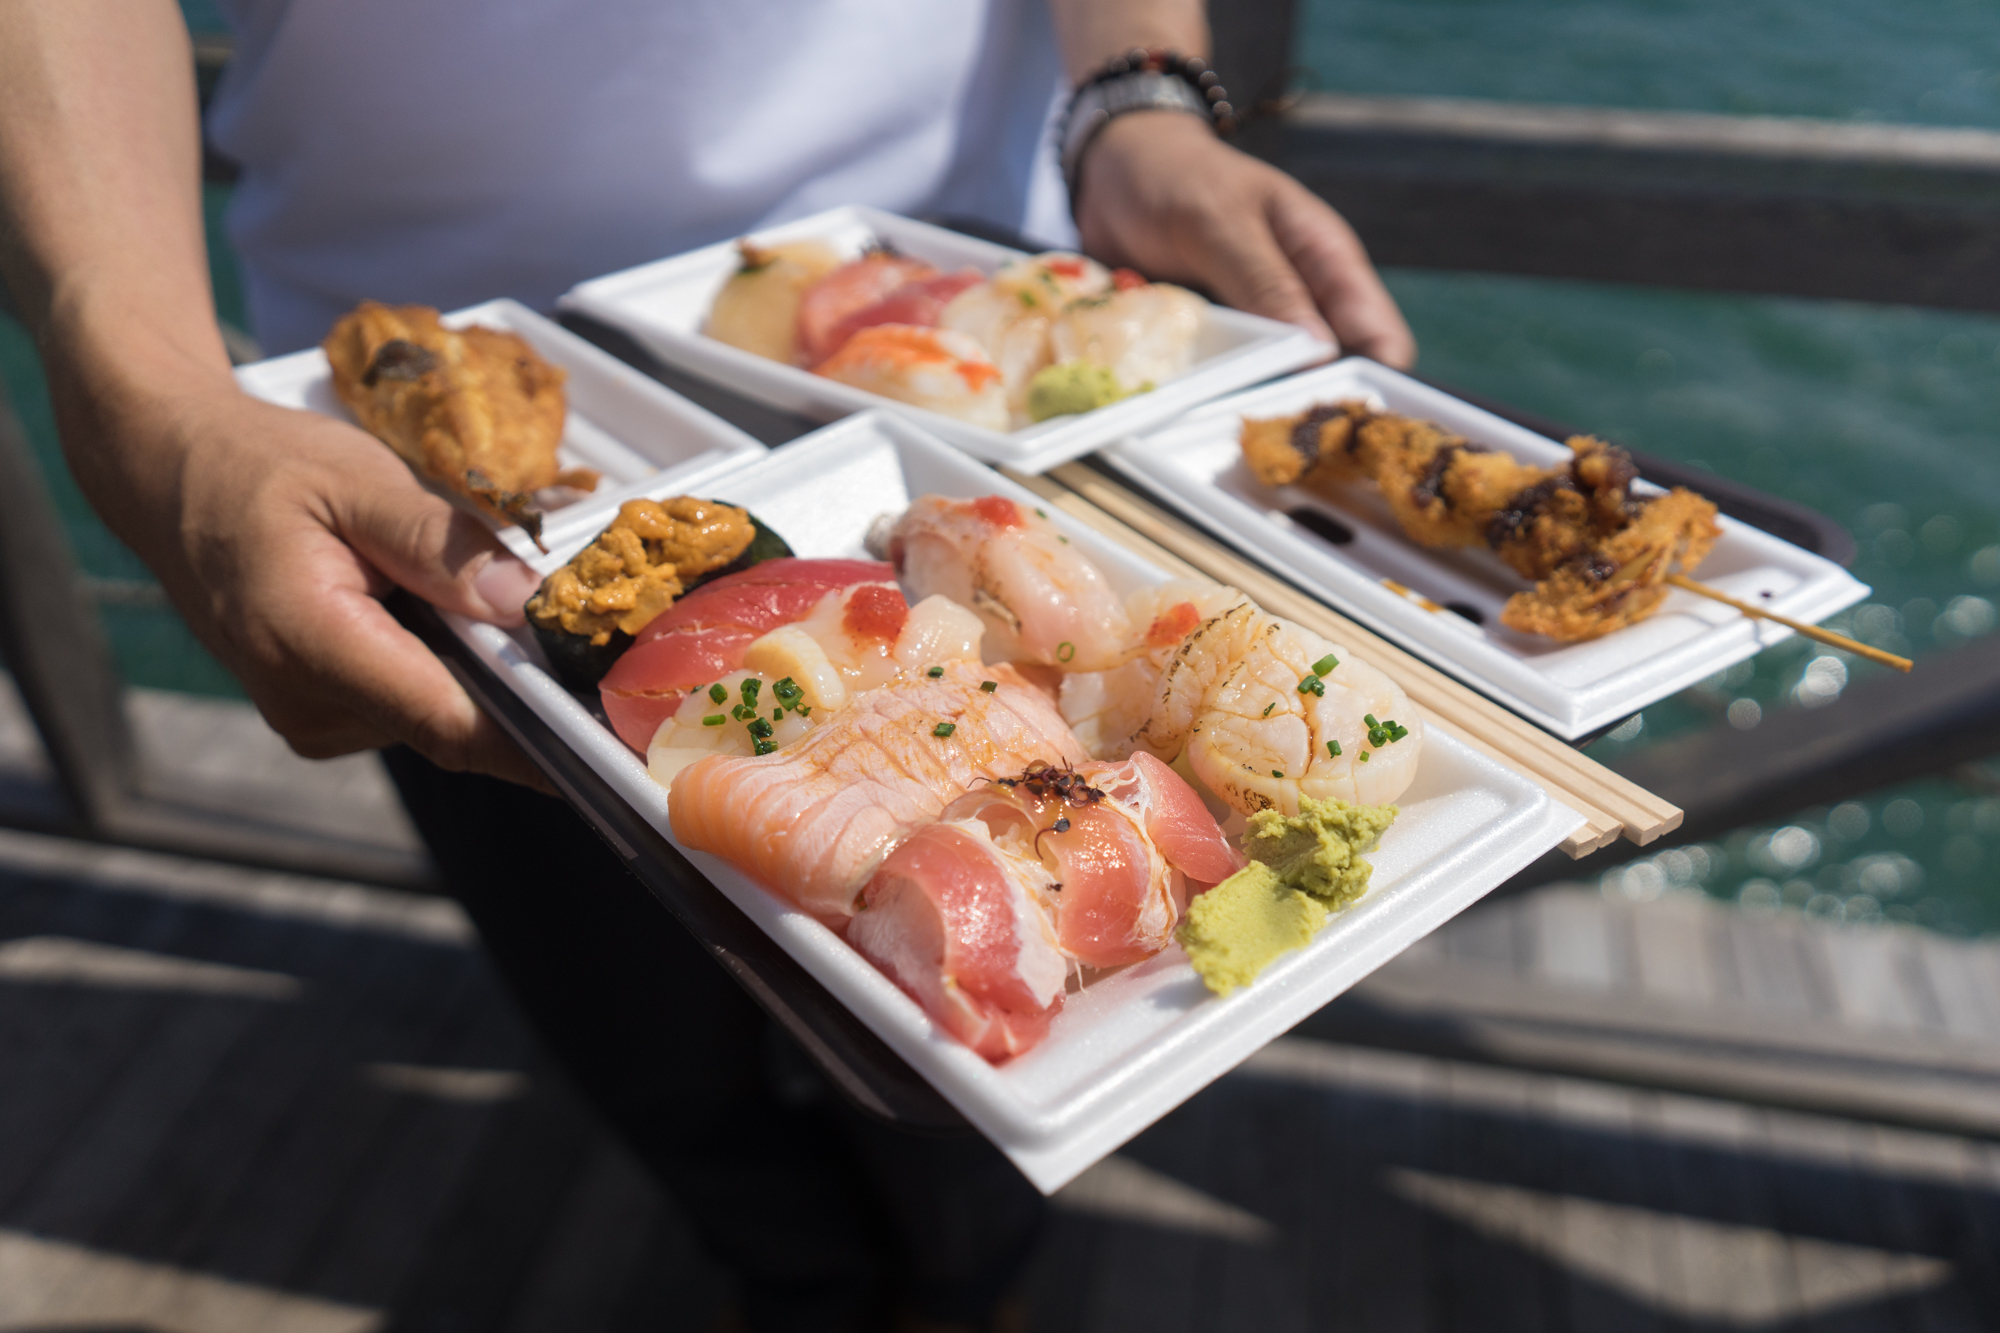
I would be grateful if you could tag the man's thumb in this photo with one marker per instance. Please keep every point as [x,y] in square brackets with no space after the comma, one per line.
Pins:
[440,553]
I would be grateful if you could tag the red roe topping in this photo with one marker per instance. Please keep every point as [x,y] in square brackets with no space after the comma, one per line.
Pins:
[875,612]
[1172,625]
[998,510]
[1065,268]
[1125,279]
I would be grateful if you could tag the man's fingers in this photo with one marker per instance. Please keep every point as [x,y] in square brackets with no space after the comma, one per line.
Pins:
[437,551]
[1329,257]
[1246,268]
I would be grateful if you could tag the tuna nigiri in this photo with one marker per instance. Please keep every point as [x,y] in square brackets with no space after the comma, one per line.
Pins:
[920,301]
[825,305]
[702,637]
[815,819]
[962,926]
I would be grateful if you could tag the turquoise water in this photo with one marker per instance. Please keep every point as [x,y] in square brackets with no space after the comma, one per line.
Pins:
[1879,416]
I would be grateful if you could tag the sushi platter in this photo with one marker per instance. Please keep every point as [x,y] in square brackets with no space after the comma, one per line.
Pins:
[1134,1042]
[666,305]
[1445,605]
[620,424]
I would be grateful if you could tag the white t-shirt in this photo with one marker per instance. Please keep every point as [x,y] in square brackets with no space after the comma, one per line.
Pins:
[447,151]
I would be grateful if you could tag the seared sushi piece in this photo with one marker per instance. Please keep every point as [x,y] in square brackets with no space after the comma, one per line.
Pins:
[758,308]
[476,410]
[815,820]
[586,614]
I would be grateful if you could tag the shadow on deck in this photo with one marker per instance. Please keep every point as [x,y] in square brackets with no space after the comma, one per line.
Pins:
[238,1100]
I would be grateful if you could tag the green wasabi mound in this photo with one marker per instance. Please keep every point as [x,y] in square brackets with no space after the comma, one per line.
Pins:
[1072,388]
[1302,868]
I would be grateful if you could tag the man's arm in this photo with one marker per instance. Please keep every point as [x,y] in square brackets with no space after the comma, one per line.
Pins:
[276,533]
[1158,191]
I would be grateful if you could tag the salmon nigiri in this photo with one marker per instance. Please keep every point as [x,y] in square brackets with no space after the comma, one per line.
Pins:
[702,637]
[963,927]
[1124,842]
[815,819]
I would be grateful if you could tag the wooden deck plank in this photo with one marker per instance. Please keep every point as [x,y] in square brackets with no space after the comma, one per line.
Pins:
[1255,1282]
[1571,940]
[1961,978]
[1618,1240]
[1491,1124]
[1868,982]
[1772,970]
[1386,1276]
[1673,951]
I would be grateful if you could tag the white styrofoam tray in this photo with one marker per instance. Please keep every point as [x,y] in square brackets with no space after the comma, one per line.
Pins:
[665,304]
[632,429]
[1136,1043]
[1571,689]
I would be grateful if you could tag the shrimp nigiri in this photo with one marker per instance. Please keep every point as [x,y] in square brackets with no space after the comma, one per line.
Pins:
[1266,710]
[1042,599]
[962,926]
[935,368]
[1124,843]
[703,636]
[815,819]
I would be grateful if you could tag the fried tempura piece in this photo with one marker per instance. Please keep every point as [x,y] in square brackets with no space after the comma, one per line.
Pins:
[1281,450]
[1623,579]
[476,410]
[1601,557]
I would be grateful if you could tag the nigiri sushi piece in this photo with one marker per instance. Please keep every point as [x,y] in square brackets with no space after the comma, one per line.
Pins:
[702,637]
[1042,599]
[795,677]
[935,368]
[815,819]
[963,927]
[758,308]
[1144,335]
[1124,842]
[826,304]
[1011,313]
[1107,708]
[919,301]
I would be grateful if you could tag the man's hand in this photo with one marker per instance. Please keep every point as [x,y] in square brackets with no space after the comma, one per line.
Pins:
[1159,192]
[277,533]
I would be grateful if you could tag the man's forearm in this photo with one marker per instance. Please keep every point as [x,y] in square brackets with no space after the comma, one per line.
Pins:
[100,183]
[1090,32]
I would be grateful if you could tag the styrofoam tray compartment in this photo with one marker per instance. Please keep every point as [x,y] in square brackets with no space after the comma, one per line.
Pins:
[632,429]
[664,304]
[1136,1043]
[1571,689]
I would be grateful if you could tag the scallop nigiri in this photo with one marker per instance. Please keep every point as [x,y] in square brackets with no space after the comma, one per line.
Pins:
[815,819]
[702,637]
[1144,335]
[962,926]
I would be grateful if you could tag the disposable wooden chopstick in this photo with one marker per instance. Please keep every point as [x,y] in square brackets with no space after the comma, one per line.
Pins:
[1610,803]
[1825,636]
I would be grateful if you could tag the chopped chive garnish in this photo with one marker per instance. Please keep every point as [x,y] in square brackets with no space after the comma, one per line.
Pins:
[743,712]
[1277,773]
[1325,664]
[1369,718]
[759,745]
[750,688]
[716,694]
[935,672]
[1041,513]
[1312,685]
[1065,651]
[1364,756]
[1333,749]
[944,729]
[760,729]
[1268,707]
[777,715]
[989,685]
[1064,540]
[714,720]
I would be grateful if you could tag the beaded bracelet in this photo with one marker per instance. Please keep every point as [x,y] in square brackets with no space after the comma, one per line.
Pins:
[1143,79]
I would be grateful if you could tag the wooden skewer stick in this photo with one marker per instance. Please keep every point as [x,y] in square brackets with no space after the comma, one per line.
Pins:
[1825,636]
